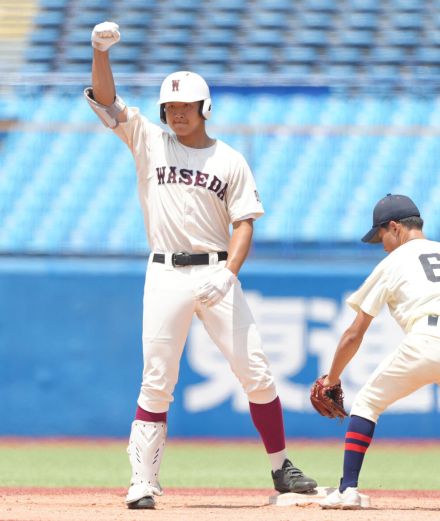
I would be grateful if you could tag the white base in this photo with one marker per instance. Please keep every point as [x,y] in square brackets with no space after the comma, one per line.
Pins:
[291,498]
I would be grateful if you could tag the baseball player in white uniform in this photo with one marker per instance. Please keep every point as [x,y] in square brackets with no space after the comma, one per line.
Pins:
[192,188]
[408,281]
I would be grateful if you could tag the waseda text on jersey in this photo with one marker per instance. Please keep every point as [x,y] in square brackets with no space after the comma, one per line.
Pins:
[188,177]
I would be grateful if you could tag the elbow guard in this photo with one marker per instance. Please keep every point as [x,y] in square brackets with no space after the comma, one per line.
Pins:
[107,114]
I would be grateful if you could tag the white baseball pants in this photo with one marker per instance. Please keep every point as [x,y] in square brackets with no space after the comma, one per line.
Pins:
[169,306]
[415,363]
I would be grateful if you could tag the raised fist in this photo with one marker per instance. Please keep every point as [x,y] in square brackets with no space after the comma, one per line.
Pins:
[104,35]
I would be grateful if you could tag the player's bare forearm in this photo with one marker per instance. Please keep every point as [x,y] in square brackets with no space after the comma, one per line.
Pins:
[348,346]
[240,244]
[104,90]
[103,85]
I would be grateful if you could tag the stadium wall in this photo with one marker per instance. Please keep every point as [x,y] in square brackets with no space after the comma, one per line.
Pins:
[71,361]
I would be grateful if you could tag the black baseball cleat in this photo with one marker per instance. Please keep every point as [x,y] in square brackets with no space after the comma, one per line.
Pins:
[290,479]
[143,503]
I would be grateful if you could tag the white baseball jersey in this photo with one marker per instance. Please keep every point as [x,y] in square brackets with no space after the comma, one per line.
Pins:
[189,196]
[408,280]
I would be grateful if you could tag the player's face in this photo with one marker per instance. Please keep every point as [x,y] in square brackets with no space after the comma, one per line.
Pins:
[183,118]
[390,237]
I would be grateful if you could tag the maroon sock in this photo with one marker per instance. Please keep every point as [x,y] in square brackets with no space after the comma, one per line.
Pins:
[268,419]
[147,416]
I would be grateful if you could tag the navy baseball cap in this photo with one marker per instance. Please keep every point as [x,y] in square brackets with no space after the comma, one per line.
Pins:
[390,208]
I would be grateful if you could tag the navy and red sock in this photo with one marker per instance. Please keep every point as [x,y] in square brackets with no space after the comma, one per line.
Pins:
[358,437]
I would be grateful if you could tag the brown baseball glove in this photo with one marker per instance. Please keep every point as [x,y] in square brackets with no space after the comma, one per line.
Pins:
[328,400]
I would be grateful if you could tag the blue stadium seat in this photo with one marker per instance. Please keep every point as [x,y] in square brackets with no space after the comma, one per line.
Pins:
[301,110]
[227,108]
[407,20]
[298,54]
[429,55]
[48,18]
[31,67]
[45,35]
[217,37]
[78,53]
[388,55]
[96,5]
[78,35]
[383,70]
[344,54]
[434,19]
[174,19]
[274,5]
[356,37]
[249,69]
[313,37]
[139,5]
[404,38]
[163,37]
[169,5]
[220,19]
[322,5]
[88,18]
[407,5]
[339,70]
[263,37]
[125,67]
[134,18]
[213,54]
[162,53]
[163,68]
[230,5]
[74,66]
[127,52]
[433,38]
[209,68]
[296,71]
[274,19]
[40,53]
[360,20]
[139,35]
[52,4]
[365,5]
[315,20]
[339,111]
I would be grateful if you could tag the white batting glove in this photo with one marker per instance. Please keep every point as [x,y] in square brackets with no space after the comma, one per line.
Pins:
[104,35]
[215,289]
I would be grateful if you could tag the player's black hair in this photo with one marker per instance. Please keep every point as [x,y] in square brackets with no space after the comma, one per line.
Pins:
[412,223]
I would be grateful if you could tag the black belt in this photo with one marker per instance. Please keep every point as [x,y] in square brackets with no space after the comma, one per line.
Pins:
[432,320]
[182,258]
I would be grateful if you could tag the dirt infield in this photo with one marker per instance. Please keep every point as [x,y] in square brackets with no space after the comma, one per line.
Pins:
[92,504]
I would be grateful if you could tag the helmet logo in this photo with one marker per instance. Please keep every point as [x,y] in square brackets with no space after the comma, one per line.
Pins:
[175,85]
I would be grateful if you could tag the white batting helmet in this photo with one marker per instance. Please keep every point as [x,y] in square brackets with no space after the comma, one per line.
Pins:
[185,86]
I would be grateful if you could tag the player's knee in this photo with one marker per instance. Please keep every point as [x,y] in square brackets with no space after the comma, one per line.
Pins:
[154,401]
[367,409]
[264,395]
[257,382]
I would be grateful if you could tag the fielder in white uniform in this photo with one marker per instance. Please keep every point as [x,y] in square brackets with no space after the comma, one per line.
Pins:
[192,188]
[408,281]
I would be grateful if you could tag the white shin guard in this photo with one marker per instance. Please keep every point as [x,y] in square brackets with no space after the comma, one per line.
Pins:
[145,449]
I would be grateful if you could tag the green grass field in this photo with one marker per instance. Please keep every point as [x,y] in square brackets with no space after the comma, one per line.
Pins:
[236,465]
